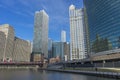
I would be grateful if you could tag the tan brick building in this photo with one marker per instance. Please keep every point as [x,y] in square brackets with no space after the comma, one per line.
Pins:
[2,45]
[9,33]
[21,50]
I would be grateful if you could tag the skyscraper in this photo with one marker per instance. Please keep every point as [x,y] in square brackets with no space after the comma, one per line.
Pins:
[63,36]
[77,43]
[50,54]
[58,50]
[103,22]
[66,51]
[40,42]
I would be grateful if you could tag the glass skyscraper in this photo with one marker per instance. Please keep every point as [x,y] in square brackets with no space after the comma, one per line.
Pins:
[58,50]
[77,42]
[102,18]
[40,42]
[50,53]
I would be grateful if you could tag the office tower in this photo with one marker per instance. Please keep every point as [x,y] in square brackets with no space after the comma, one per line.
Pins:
[8,49]
[61,50]
[58,50]
[66,51]
[103,21]
[40,42]
[2,45]
[50,54]
[77,43]
[63,36]
[21,50]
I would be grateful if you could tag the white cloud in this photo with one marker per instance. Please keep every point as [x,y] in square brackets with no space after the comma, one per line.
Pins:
[56,9]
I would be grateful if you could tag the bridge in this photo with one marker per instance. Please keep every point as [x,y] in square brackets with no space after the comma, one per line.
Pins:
[21,64]
[115,62]
[109,58]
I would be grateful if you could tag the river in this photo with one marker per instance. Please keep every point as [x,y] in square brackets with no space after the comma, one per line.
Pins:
[44,75]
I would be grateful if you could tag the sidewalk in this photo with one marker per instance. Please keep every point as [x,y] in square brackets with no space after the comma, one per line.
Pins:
[92,73]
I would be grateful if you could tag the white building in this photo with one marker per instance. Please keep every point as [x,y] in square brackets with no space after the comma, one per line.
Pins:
[77,45]
[40,42]
[63,36]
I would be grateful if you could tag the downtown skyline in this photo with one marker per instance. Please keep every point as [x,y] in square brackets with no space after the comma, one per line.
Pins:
[20,14]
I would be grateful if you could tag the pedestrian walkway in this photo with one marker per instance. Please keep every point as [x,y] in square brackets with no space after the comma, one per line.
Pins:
[93,73]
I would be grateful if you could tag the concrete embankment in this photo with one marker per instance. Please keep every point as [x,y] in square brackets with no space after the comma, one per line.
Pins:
[92,73]
[18,67]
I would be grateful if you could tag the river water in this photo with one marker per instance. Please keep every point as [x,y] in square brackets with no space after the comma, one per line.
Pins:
[44,75]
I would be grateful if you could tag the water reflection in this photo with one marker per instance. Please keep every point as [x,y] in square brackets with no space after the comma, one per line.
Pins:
[44,75]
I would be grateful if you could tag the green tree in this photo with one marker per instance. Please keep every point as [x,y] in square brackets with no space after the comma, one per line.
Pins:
[101,44]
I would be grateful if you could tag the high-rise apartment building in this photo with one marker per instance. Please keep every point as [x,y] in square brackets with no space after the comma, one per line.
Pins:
[21,50]
[63,36]
[103,22]
[40,42]
[77,42]
[9,33]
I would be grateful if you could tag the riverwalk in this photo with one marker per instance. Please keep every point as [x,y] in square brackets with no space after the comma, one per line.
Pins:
[92,73]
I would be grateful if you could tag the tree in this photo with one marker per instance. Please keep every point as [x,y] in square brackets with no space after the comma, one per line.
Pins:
[119,42]
[101,44]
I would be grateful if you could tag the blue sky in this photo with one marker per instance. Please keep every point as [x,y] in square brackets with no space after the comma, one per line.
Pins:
[20,15]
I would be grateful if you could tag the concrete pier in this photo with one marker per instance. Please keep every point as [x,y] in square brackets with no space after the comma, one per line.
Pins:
[92,73]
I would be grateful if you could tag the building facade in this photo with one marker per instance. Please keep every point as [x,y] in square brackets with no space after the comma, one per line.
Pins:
[61,50]
[77,42]
[40,42]
[103,22]
[66,51]
[50,54]
[2,45]
[8,49]
[13,49]
[63,36]
[21,50]
[38,57]
[58,50]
